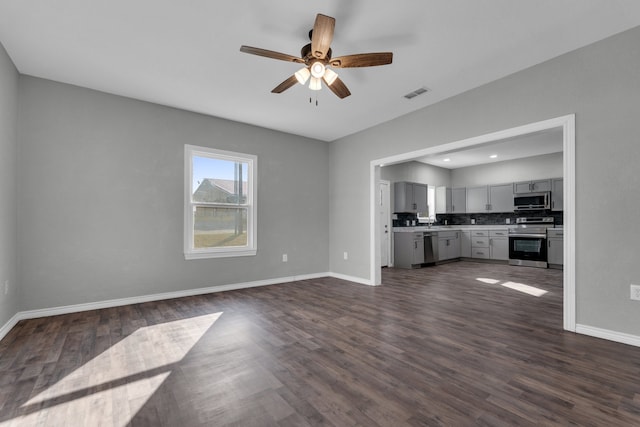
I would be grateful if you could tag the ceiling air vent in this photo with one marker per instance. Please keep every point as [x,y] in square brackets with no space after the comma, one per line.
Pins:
[416,92]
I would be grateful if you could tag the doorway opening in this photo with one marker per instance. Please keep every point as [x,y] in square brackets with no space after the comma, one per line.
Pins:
[567,125]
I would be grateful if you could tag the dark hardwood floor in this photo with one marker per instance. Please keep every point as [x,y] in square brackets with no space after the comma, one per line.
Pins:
[452,345]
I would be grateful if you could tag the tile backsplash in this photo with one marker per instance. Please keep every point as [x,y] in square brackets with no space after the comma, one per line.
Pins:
[494,218]
[480,218]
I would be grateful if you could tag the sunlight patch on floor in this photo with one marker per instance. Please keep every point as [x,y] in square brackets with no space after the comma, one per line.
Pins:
[520,287]
[488,281]
[125,371]
[530,290]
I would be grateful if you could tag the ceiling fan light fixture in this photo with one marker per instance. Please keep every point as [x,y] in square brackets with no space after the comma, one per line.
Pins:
[315,83]
[302,75]
[317,69]
[330,76]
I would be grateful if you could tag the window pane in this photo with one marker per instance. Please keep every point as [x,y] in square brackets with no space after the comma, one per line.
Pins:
[219,227]
[219,181]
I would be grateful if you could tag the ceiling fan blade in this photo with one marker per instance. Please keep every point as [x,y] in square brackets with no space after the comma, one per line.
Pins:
[322,35]
[285,85]
[338,87]
[271,54]
[362,60]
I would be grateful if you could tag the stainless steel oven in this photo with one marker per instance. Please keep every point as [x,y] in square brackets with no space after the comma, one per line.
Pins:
[528,242]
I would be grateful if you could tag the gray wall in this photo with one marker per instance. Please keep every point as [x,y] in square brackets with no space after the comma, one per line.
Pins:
[600,83]
[537,167]
[417,172]
[101,198]
[8,211]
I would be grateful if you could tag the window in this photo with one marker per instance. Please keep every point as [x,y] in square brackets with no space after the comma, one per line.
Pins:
[431,202]
[220,194]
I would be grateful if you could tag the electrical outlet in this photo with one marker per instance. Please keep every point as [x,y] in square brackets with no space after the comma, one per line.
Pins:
[635,292]
[346,256]
[285,258]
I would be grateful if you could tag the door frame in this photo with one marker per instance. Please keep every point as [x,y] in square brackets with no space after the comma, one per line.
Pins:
[388,247]
[567,123]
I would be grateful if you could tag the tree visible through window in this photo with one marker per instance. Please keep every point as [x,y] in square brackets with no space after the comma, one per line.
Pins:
[220,216]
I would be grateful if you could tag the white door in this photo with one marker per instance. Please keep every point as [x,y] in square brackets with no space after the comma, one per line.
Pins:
[384,210]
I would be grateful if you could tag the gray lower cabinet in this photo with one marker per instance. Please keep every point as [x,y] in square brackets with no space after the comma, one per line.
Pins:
[490,244]
[480,244]
[408,249]
[555,247]
[448,245]
[465,244]
[557,194]
[499,244]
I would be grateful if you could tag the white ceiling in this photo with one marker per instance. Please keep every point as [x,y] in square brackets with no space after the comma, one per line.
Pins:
[533,144]
[186,54]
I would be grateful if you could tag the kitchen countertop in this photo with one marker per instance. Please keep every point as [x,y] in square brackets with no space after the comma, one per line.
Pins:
[465,227]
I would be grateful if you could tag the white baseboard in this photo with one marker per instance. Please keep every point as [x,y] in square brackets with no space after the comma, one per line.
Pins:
[75,308]
[606,334]
[351,279]
[4,330]
[609,335]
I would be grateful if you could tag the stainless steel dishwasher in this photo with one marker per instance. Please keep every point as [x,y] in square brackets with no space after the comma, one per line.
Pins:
[430,247]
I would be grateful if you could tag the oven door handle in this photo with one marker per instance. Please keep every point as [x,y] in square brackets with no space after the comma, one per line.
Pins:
[528,235]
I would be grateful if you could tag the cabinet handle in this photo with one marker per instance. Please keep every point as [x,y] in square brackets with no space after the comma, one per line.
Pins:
[549,243]
[490,242]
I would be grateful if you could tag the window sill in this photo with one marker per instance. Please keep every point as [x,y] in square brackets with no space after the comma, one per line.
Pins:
[219,254]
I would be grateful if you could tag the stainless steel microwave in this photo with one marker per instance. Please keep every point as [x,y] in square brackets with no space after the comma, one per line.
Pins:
[532,201]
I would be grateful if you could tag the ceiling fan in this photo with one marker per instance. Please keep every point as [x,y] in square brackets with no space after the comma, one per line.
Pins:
[316,56]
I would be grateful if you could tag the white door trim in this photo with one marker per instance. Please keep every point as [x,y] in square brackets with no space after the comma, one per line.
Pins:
[389,232]
[567,123]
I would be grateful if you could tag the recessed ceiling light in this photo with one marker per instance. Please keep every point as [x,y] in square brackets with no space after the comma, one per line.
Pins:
[446,160]
[493,156]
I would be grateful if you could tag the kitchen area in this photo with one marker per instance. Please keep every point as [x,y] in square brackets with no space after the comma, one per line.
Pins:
[502,211]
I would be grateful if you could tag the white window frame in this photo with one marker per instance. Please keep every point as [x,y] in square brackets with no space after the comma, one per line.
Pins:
[189,206]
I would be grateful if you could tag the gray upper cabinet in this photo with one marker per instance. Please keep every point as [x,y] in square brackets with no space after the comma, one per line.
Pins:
[477,199]
[443,200]
[459,200]
[451,200]
[490,198]
[410,197]
[532,186]
[501,198]
[557,194]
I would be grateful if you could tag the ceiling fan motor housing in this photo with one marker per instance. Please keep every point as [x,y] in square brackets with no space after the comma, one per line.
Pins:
[305,53]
